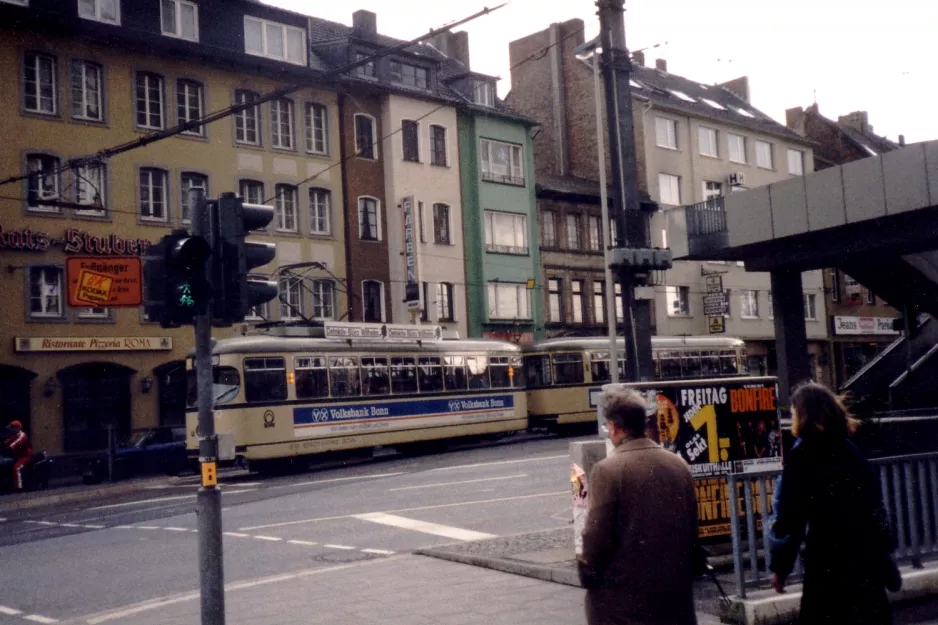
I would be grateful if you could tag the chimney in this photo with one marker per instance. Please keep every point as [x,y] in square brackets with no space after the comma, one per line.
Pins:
[739,87]
[794,119]
[901,140]
[364,23]
[858,120]
[453,45]
[661,64]
[639,58]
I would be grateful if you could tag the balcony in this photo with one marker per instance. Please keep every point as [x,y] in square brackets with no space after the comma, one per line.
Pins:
[503,178]
[706,227]
[507,249]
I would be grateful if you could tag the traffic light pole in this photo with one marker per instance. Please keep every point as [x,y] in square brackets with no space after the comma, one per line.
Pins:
[208,499]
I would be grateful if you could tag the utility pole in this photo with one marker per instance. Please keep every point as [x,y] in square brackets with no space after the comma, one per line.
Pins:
[634,256]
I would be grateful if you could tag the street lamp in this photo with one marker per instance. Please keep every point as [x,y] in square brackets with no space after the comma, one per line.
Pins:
[586,51]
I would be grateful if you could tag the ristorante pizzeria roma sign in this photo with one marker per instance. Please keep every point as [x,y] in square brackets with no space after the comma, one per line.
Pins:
[74,241]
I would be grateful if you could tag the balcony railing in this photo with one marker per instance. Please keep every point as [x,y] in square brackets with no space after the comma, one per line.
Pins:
[706,226]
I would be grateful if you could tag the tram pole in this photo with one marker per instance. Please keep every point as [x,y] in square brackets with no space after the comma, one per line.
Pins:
[208,498]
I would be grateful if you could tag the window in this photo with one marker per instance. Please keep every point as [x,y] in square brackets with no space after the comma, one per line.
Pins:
[94,313]
[666,133]
[410,75]
[265,379]
[403,375]
[548,228]
[669,189]
[410,138]
[424,301]
[89,188]
[483,93]
[368,69]
[771,308]
[555,300]
[835,285]
[749,304]
[366,145]
[154,198]
[502,162]
[375,379]
[285,207]
[599,302]
[372,301]
[441,234]
[737,145]
[368,224]
[454,372]
[45,292]
[444,302]
[620,312]
[796,162]
[678,298]
[323,299]
[344,376]
[568,368]
[281,124]
[291,297]
[708,141]
[712,189]
[86,91]
[764,155]
[508,301]
[191,181]
[312,377]
[43,182]
[438,145]
[247,121]
[810,306]
[190,105]
[275,41]
[573,232]
[251,191]
[506,233]
[180,18]
[100,10]
[40,91]
[577,298]
[595,238]
[870,297]
[149,100]
[257,312]
[317,128]
[320,211]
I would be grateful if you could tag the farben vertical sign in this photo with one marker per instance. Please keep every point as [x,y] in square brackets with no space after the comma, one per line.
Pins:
[411,289]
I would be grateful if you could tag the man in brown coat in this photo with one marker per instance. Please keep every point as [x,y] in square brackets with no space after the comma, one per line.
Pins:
[641,528]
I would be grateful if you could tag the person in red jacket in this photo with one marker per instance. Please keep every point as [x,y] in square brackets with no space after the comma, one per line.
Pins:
[21,450]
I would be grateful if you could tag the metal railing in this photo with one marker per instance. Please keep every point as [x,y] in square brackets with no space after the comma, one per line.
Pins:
[706,226]
[910,493]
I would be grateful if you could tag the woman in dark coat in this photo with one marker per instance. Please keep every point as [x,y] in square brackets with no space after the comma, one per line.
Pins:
[830,499]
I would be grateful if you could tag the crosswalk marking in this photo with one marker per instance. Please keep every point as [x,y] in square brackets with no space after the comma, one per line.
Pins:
[8,611]
[382,552]
[436,529]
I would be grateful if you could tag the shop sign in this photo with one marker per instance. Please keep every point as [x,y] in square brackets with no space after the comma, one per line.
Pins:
[863,325]
[412,295]
[717,325]
[74,241]
[101,281]
[93,344]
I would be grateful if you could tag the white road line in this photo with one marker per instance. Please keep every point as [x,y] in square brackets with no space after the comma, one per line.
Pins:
[238,492]
[41,523]
[305,543]
[236,534]
[2,520]
[69,525]
[242,484]
[422,526]
[492,464]
[484,479]
[340,479]
[344,547]
[146,527]
[40,619]
[8,611]
[141,502]
[124,527]
[271,538]
[94,527]
[435,507]
[175,529]
[381,552]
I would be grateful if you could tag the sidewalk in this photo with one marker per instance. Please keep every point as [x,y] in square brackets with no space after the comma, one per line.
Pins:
[72,490]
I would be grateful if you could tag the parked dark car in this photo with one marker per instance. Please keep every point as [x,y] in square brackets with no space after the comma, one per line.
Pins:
[147,450]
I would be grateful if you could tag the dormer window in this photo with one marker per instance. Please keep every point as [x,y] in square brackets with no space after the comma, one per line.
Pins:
[368,69]
[274,40]
[410,75]
[483,93]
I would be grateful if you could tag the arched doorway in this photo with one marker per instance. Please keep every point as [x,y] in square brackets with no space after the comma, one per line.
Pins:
[15,396]
[171,378]
[94,394]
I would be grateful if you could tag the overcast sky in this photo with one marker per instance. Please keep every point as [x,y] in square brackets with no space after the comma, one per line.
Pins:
[855,54]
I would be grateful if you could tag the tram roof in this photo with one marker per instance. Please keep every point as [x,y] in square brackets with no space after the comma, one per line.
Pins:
[276,344]
[660,342]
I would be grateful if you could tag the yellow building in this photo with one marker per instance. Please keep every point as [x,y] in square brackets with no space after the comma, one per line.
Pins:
[79,80]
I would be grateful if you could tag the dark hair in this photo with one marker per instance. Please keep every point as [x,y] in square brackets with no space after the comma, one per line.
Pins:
[626,408]
[820,413]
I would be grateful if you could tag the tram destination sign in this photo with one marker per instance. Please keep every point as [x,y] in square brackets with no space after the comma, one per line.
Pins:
[381,332]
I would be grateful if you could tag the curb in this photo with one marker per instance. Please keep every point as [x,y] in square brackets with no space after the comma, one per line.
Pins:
[506,565]
[39,499]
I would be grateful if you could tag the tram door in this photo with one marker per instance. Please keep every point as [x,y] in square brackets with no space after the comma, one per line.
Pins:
[171,381]
[94,395]
[15,396]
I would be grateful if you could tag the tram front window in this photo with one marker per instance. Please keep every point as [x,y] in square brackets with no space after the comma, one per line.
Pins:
[225,385]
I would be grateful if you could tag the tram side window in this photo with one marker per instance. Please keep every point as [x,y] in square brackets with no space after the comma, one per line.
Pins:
[568,368]
[516,370]
[709,364]
[312,377]
[265,379]
[478,372]
[728,359]
[690,364]
[670,363]
[455,373]
[403,375]
[343,376]
[599,367]
[537,370]
[375,378]
[498,371]
[430,373]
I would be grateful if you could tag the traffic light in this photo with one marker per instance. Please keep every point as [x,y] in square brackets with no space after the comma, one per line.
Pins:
[174,280]
[236,291]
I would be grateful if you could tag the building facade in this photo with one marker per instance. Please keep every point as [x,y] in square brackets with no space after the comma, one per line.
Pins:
[93,75]
[693,142]
[860,322]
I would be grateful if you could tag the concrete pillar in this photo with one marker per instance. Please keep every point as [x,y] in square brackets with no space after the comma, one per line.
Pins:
[791,342]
